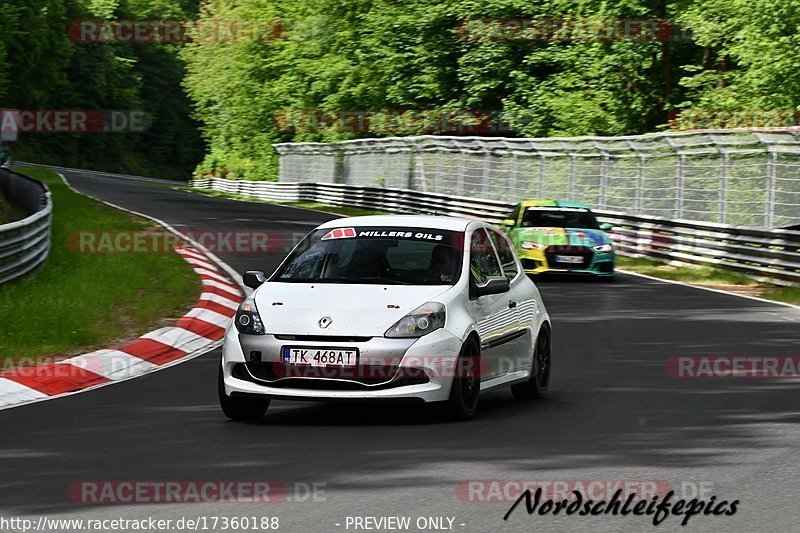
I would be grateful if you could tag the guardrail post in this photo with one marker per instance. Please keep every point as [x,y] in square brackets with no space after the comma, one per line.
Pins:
[540,192]
[282,169]
[338,166]
[486,172]
[604,163]
[639,200]
[723,188]
[438,172]
[461,170]
[571,178]
[772,185]
[679,186]
[512,181]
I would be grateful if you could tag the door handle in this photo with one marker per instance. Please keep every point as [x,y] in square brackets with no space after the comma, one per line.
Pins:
[512,304]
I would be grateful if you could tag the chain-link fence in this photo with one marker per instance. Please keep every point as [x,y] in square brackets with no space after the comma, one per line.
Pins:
[739,178]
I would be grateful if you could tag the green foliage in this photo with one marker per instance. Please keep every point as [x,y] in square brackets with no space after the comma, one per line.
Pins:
[385,55]
[594,67]
[41,68]
[750,59]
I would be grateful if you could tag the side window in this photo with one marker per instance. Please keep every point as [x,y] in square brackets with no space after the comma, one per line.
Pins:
[507,259]
[482,259]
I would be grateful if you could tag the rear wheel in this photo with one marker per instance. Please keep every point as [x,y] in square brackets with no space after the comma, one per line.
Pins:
[536,386]
[464,392]
[240,408]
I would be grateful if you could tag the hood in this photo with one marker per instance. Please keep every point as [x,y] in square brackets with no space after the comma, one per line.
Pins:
[563,236]
[358,310]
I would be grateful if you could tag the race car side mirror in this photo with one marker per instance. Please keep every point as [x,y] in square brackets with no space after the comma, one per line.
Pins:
[605,226]
[254,278]
[492,285]
[508,222]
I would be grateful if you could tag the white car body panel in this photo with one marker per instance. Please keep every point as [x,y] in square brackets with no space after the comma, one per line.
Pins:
[369,310]
[296,308]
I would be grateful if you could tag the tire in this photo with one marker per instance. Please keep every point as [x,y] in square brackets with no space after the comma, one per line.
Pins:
[466,387]
[245,409]
[537,384]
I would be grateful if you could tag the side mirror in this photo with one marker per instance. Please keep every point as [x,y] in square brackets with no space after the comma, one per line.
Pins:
[605,226]
[254,278]
[492,285]
[508,222]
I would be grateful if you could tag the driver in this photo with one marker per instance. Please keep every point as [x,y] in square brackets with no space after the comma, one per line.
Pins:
[443,261]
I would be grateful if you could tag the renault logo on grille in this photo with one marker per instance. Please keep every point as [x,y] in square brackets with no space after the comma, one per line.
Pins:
[325,321]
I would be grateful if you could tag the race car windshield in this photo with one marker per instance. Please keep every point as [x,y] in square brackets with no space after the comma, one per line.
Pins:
[375,255]
[559,218]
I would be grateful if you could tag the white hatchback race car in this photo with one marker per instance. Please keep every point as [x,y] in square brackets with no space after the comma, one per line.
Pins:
[421,308]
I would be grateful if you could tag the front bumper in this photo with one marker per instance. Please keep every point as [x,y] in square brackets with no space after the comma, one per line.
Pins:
[412,369]
[537,262]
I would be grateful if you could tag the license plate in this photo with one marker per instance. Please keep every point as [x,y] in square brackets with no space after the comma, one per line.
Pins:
[569,259]
[320,356]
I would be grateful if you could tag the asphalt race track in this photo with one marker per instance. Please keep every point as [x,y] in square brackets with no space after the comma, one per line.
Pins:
[614,414]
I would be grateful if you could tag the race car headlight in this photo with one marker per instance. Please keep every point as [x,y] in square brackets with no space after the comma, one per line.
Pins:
[247,319]
[604,248]
[530,245]
[421,321]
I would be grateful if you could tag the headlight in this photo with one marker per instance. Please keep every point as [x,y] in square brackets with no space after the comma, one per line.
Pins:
[604,248]
[529,245]
[421,321]
[247,319]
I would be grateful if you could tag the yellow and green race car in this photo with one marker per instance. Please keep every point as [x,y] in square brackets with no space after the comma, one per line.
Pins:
[560,237]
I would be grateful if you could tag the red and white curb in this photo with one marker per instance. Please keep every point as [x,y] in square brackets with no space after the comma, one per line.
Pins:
[195,333]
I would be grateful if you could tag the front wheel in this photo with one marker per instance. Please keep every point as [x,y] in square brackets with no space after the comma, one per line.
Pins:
[466,387]
[240,408]
[536,386]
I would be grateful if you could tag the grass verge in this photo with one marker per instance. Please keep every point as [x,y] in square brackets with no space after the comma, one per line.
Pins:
[79,302]
[715,278]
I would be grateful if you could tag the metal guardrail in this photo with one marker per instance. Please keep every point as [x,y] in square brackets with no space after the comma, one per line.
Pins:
[24,244]
[767,255]
[749,178]
[100,174]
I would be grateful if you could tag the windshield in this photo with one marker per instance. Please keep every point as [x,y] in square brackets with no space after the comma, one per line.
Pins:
[375,255]
[559,217]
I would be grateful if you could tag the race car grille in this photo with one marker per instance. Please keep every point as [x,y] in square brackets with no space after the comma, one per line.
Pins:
[322,338]
[362,377]
[585,253]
